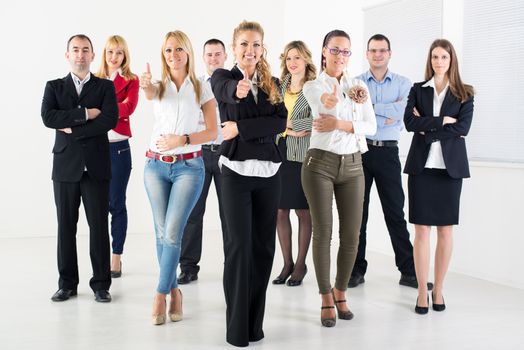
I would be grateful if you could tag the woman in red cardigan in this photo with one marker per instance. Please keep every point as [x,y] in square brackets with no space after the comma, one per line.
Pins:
[115,66]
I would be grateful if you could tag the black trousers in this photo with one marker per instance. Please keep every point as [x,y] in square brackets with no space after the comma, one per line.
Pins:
[250,208]
[95,197]
[192,239]
[382,165]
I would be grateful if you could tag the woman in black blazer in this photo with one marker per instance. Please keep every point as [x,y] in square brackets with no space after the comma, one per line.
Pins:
[439,112]
[252,114]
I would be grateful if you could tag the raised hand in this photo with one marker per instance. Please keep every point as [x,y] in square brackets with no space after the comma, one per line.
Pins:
[145,79]
[329,100]
[243,87]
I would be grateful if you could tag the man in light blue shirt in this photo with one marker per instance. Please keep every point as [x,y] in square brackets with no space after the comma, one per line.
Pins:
[389,93]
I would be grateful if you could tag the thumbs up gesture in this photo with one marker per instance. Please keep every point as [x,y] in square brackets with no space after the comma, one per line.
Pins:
[329,100]
[243,87]
[145,79]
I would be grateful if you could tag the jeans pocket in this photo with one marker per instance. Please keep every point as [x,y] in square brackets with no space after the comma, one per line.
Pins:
[196,162]
[123,150]
[318,166]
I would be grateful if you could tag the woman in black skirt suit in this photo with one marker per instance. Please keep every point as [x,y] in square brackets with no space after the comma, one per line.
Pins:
[297,68]
[439,113]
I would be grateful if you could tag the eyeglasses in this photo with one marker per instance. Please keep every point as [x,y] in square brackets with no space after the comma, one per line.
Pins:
[335,51]
[381,51]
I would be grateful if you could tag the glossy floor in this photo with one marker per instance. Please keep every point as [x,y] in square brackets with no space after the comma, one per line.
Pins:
[480,314]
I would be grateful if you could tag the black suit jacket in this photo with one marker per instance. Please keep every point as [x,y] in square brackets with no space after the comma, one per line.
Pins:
[87,147]
[451,136]
[258,123]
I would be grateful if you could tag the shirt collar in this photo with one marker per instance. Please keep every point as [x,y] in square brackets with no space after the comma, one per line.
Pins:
[368,76]
[327,77]
[113,76]
[431,83]
[78,81]
[254,80]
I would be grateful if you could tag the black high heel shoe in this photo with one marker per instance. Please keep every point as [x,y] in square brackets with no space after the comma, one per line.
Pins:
[297,282]
[421,310]
[342,314]
[437,307]
[281,279]
[328,321]
[117,274]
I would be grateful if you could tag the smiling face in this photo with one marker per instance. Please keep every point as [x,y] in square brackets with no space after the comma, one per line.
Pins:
[378,54]
[214,57]
[248,49]
[440,61]
[175,56]
[80,55]
[295,63]
[114,57]
[336,64]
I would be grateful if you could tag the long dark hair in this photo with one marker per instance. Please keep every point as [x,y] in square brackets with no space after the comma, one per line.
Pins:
[458,88]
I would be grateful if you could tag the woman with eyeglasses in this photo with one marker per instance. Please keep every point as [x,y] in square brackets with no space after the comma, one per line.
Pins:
[252,113]
[297,68]
[174,170]
[439,113]
[343,115]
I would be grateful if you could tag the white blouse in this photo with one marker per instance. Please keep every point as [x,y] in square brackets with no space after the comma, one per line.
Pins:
[360,114]
[178,113]
[435,158]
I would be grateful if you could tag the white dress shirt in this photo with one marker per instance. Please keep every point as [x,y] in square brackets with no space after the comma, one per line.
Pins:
[435,158]
[360,114]
[206,80]
[178,113]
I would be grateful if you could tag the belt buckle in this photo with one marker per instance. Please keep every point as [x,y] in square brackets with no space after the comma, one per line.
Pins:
[214,147]
[166,161]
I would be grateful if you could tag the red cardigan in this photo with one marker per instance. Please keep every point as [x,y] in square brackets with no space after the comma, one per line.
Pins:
[127,98]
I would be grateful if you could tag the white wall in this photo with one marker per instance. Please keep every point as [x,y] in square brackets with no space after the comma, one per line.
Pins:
[488,240]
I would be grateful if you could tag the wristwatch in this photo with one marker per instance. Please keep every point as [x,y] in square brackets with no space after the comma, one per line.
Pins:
[188,140]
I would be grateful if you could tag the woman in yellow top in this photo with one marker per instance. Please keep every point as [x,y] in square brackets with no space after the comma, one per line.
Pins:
[297,68]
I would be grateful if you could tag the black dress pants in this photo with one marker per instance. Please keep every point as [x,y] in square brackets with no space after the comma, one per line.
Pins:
[250,208]
[382,165]
[95,196]
[192,239]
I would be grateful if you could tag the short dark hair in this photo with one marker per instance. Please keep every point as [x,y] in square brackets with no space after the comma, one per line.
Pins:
[327,38]
[80,36]
[215,42]
[380,37]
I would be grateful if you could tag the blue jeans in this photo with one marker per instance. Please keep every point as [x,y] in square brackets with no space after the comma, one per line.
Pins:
[120,171]
[173,190]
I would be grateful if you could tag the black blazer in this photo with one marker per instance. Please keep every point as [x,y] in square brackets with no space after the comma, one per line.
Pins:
[451,136]
[258,123]
[87,147]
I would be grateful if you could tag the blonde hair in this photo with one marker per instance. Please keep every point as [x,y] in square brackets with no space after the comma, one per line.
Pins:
[303,51]
[265,79]
[114,42]
[182,40]
[458,88]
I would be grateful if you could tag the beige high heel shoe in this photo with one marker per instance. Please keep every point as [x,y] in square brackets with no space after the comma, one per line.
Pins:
[159,319]
[175,316]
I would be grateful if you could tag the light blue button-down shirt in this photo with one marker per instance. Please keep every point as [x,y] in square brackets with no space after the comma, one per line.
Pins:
[389,98]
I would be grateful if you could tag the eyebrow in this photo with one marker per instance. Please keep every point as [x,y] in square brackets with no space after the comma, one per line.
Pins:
[78,47]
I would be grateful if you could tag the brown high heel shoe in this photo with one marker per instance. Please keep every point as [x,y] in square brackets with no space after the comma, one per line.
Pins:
[342,314]
[174,315]
[159,319]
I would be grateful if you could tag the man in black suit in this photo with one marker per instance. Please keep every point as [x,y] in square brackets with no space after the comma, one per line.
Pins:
[82,109]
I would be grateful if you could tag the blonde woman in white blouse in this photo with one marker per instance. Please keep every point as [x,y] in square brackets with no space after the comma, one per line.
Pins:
[174,171]
[343,115]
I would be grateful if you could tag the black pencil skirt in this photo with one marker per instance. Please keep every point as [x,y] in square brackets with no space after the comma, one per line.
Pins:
[292,195]
[434,198]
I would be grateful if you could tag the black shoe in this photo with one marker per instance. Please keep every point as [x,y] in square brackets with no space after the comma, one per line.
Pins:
[102,296]
[421,310]
[117,274]
[291,282]
[355,280]
[186,277]
[438,307]
[411,281]
[63,294]
[281,279]
[344,315]
[328,321]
